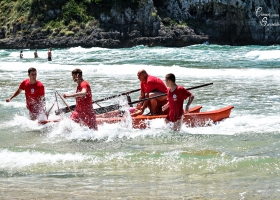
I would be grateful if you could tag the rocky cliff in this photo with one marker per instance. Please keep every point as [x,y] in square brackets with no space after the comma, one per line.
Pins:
[230,21]
[159,23]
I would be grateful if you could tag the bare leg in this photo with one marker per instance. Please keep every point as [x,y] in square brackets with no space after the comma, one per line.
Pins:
[175,126]
[33,116]
[153,102]
[178,124]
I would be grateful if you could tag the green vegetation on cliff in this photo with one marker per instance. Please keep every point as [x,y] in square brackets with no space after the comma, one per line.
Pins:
[56,16]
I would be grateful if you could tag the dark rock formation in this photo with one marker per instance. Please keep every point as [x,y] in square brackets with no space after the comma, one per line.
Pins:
[235,22]
[172,23]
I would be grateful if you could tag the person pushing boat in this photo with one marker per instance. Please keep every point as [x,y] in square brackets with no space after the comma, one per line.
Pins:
[84,112]
[34,94]
[176,95]
[151,86]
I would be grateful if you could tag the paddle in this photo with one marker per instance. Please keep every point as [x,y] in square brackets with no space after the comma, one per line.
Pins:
[98,110]
[102,110]
[141,100]
[48,112]
[64,102]
[117,106]
[199,86]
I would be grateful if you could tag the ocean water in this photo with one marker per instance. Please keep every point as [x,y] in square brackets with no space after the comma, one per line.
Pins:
[238,158]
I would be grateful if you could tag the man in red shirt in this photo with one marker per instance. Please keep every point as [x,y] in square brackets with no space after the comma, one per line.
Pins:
[84,112]
[176,95]
[34,94]
[151,86]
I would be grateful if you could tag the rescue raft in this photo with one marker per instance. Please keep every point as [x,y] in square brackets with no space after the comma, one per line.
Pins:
[194,118]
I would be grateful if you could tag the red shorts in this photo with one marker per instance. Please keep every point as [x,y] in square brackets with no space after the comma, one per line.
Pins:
[36,112]
[87,118]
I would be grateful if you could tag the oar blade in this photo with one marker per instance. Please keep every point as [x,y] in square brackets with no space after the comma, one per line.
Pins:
[65,110]
[106,109]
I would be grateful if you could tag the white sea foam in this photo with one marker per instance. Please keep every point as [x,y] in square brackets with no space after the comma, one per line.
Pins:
[246,124]
[45,70]
[180,72]
[13,104]
[69,130]
[10,159]
[85,50]
[23,121]
[264,55]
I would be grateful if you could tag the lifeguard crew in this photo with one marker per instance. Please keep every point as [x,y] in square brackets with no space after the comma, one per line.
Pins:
[84,112]
[50,54]
[34,94]
[176,95]
[151,86]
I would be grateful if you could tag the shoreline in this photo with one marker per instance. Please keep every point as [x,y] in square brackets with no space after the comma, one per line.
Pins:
[70,42]
[113,40]
[177,36]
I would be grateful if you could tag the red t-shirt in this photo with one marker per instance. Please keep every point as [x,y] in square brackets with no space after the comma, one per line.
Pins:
[84,104]
[176,101]
[32,94]
[153,84]
[84,110]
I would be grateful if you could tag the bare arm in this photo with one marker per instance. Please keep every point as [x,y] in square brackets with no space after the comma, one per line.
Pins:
[142,95]
[165,107]
[42,101]
[145,103]
[78,94]
[189,103]
[14,95]
[142,104]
